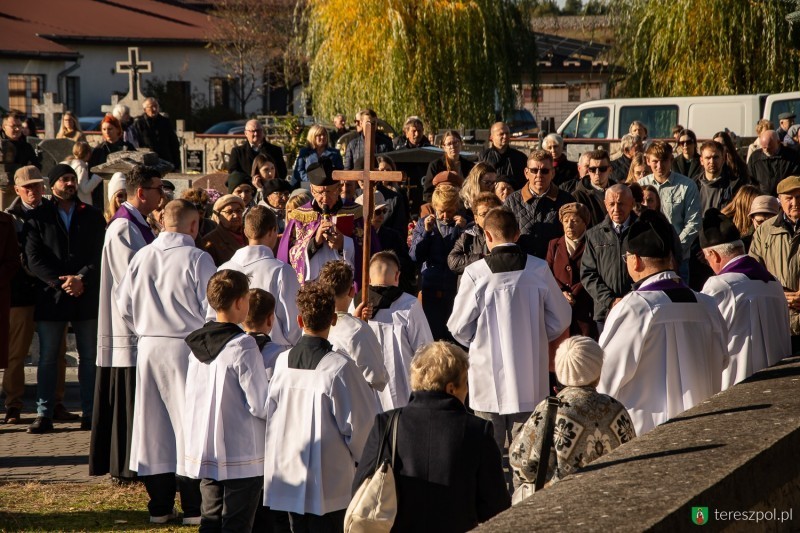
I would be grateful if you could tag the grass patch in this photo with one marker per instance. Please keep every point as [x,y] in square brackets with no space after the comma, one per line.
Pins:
[77,507]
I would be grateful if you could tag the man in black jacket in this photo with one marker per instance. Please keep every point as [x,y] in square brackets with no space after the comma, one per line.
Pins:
[12,132]
[242,156]
[63,248]
[773,163]
[355,148]
[154,131]
[505,159]
[591,190]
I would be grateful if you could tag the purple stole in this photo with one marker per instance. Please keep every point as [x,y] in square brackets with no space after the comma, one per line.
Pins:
[123,212]
[749,267]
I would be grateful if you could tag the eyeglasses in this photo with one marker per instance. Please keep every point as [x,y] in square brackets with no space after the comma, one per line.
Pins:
[686,143]
[452,144]
[231,212]
[625,256]
[325,192]
[542,171]
[595,170]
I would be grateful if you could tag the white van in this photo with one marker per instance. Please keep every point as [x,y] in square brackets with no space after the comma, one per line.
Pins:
[704,115]
[781,103]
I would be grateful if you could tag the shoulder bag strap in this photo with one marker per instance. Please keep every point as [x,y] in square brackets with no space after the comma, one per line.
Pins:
[390,426]
[547,441]
[395,420]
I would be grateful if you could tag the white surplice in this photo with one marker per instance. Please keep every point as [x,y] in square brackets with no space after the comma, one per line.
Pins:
[507,319]
[401,330]
[224,429]
[662,357]
[163,298]
[757,317]
[317,425]
[116,342]
[324,253]
[355,338]
[277,278]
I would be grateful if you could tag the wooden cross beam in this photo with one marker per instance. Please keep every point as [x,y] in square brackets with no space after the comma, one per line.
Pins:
[134,69]
[369,177]
[49,109]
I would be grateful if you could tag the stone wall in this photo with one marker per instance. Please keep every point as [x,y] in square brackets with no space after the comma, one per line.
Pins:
[736,451]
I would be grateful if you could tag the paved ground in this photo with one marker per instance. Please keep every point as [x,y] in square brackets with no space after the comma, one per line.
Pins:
[61,456]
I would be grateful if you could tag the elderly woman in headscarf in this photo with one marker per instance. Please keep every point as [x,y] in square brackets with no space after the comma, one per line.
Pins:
[564,257]
[228,237]
[587,425]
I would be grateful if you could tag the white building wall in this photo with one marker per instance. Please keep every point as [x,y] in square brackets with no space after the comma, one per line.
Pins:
[50,70]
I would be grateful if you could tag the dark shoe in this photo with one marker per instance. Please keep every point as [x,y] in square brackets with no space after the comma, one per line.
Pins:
[86,423]
[42,424]
[61,414]
[13,416]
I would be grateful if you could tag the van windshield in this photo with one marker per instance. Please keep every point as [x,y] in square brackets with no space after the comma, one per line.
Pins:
[659,119]
[590,123]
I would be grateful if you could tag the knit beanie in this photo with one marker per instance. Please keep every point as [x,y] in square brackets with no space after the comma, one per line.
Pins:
[578,361]
[116,184]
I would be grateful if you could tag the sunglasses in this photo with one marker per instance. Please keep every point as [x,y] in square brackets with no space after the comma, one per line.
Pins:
[685,143]
[595,170]
[542,171]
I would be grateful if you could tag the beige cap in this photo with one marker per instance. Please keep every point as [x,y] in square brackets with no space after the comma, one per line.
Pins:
[578,361]
[377,196]
[27,176]
[789,184]
[765,204]
[228,199]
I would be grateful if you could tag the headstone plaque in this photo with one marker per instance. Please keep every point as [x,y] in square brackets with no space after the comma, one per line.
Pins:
[194,161]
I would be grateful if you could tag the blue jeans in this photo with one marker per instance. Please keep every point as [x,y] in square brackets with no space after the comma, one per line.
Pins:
[50,335]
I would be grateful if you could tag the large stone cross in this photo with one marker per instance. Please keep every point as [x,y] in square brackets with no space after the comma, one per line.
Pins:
[369,178]
[49,109]
[134,69]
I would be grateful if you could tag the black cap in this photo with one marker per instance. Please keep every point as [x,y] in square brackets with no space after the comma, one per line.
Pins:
[59,170]
[717,229]
[505,178]
[276,185]
[321,173]
[168,185]
[235,179]
[650,236]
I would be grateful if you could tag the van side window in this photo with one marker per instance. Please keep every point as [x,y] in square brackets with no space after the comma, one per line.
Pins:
[569,129]
[783,106]
[659,119]
[593,123]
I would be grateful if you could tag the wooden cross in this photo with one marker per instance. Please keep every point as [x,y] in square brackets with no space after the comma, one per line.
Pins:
[49,109]
[369,177]
[134,68]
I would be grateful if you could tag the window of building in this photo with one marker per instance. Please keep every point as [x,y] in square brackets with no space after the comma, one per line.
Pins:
[574,94]
[222,92]
[72,98]
[24,92]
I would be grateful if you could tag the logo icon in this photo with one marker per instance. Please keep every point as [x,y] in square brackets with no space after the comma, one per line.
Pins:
[700,515]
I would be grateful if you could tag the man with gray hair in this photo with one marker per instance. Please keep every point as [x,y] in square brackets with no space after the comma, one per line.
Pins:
[413,135]
[123,113]
[630,145]
[750,299]
[505,159]
[773,163]
[155,132]
[565,170]
[243,155]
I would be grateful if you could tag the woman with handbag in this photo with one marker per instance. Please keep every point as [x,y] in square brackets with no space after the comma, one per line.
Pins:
[446,464]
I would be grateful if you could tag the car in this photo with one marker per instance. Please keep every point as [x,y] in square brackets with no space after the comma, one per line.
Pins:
[90,123]
[229,127]
[521,123]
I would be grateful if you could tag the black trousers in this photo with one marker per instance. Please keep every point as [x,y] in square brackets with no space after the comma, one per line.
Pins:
[230,505]
[161,489]
[311,523]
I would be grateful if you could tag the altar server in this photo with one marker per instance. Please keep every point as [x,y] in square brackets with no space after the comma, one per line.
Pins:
[162,299]
[268,273]
[508,308]
[665,345]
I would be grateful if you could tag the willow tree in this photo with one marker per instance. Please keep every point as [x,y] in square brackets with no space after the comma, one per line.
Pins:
[451,62]
[702,47]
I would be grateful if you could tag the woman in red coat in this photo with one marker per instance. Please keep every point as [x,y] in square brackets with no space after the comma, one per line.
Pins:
[564,257]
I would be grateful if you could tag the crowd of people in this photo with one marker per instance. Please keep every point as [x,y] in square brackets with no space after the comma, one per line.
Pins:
[225,352]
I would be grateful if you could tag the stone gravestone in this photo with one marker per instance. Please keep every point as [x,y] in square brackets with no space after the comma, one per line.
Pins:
[124,161]
[53,152]
[134,68]
[49,109]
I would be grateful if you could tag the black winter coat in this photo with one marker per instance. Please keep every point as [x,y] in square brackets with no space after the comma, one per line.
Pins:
[768,171]
[99,156]
[158,135]
[565,170]
[439,165]
[24,285]
[592,198]
[52,251]
[447,469]
[511,163]
[242,158]
[691,168]
[469,248]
